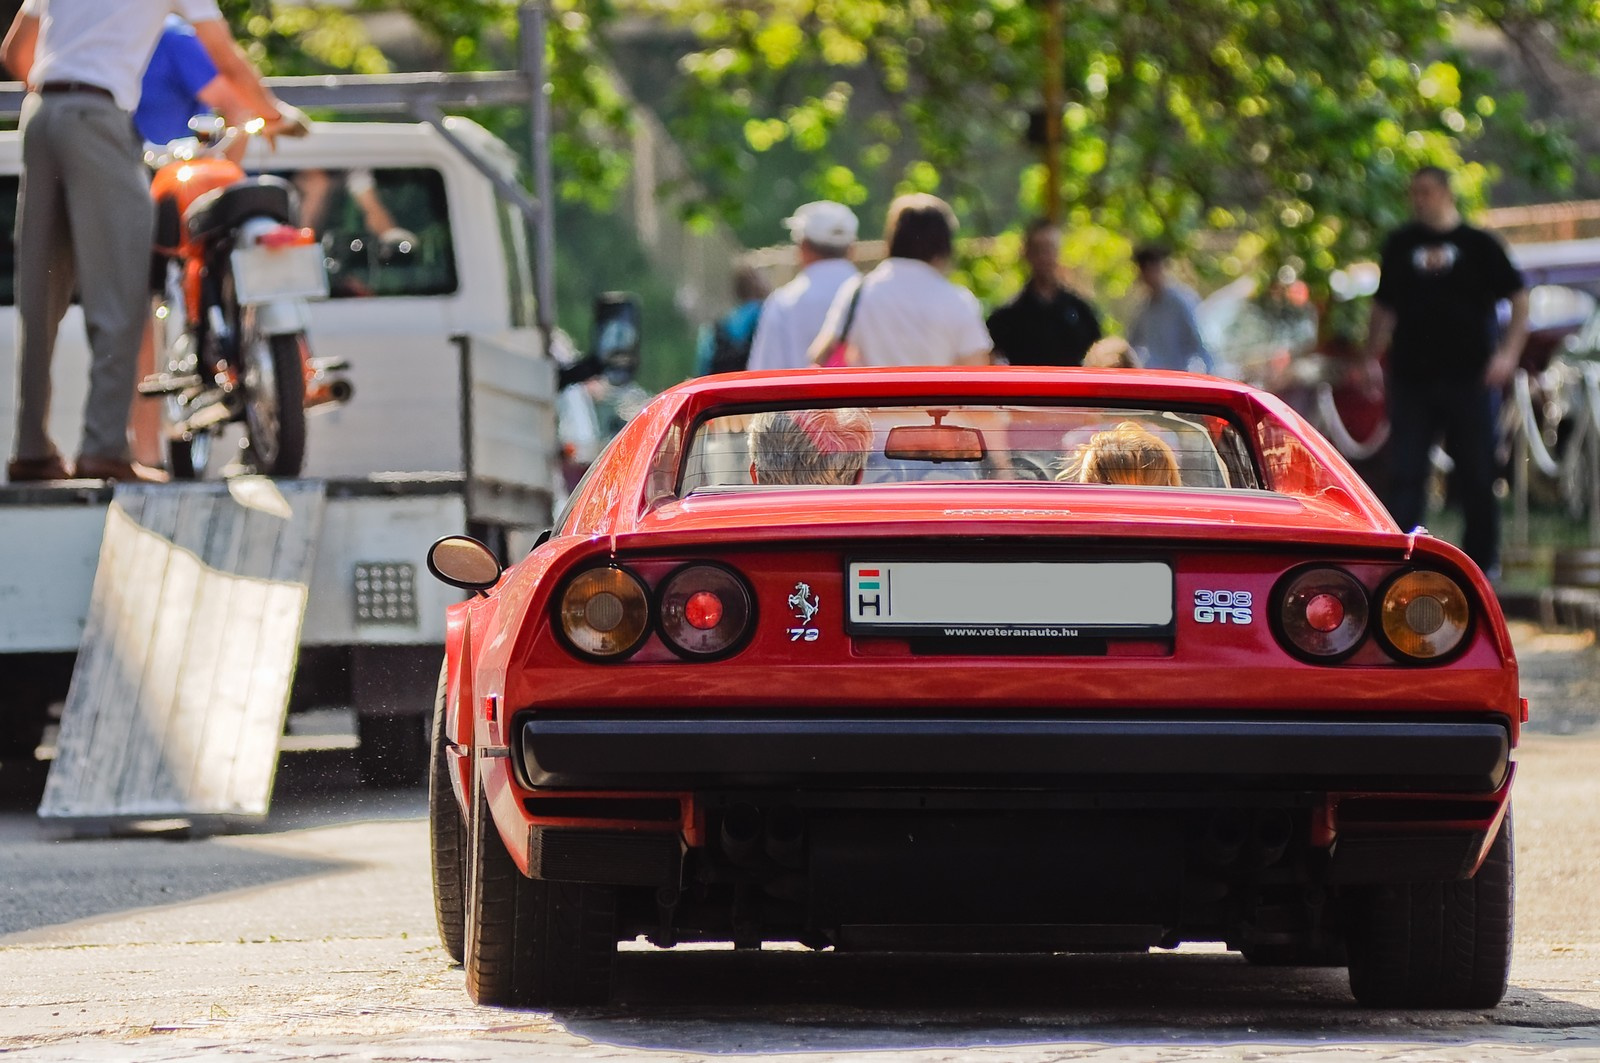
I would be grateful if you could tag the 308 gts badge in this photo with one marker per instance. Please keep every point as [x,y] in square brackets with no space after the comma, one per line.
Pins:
[1222,607]
[805,605]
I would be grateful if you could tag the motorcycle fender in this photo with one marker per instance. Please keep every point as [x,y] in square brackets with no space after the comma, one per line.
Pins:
[280,317]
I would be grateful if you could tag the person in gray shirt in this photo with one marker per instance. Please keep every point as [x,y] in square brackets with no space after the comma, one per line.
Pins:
[1165,332]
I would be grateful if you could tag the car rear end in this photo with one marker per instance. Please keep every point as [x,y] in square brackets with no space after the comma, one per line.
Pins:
[1010,716]
[1259,725]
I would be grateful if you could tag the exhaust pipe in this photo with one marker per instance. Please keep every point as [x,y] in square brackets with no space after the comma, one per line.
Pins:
[1272,834]
[1223,839]
[327,390]
[786,835]
[741,835]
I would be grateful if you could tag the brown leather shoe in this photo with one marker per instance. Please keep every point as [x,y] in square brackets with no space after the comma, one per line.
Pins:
[91,467]
[23,470]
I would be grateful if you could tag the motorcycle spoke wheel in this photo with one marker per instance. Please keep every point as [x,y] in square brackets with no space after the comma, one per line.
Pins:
[273,383]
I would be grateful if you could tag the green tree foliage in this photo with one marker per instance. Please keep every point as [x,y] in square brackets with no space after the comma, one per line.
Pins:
[1285,128]
[1255,134]
[463,35]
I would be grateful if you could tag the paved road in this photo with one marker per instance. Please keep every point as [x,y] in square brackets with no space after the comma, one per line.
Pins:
[312,937]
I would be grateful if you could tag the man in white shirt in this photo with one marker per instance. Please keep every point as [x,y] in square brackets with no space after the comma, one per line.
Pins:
[908,312]
[792,316]
[84,215]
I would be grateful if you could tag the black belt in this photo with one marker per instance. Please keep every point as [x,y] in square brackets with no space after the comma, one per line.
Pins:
[51,88]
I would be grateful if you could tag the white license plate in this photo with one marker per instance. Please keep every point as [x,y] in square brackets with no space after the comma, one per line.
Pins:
[1021,599]
[262,274]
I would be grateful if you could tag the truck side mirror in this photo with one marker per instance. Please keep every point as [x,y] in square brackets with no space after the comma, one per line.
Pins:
[616,335]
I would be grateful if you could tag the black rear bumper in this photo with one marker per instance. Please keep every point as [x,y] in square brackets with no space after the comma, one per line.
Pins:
[1388,756]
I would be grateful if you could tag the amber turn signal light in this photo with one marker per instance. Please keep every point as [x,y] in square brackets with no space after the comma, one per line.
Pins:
[605,612]
[1423,615]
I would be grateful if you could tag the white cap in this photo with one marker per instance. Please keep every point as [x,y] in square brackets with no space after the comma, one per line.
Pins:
[824,223]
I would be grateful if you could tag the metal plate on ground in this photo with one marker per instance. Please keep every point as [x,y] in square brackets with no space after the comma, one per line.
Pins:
[182,681]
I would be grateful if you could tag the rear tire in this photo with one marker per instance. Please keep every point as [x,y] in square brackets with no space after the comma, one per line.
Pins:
[274,385]
[448,834]
[1444,944]
[531,943]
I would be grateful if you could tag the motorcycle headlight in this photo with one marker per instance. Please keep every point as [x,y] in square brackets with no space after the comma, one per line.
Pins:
[605,612]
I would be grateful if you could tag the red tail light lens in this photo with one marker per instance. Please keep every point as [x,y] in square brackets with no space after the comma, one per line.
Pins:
[1423,615]
[705,611]
[605,612]
[1322,613]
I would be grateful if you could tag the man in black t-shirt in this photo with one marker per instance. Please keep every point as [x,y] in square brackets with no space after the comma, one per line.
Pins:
[1045,324]
[1435,312]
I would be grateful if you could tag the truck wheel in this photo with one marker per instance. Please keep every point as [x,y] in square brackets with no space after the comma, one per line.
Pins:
[531,943]
[1444,944]
[393,750]
[448,835]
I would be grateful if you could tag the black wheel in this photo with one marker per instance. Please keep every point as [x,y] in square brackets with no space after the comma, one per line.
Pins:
[448,834]
[273,383]
[393,749]
[531,943]
[1435,944]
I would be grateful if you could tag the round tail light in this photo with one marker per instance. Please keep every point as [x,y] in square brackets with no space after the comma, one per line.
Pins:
[605,612]
[1322,613]
[1423,615]
[705,611]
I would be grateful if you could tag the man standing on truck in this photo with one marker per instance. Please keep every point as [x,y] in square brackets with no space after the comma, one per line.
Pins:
[84,215]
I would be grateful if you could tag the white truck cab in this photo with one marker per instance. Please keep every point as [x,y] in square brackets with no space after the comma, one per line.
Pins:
[450,426]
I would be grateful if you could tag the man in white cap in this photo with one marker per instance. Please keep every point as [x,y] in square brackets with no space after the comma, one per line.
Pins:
[824,232]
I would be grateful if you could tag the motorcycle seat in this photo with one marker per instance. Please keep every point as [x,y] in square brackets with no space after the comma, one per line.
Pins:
[255,197]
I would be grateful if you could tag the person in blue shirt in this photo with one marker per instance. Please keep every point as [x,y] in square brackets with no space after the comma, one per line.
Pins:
[180,82]
[725,346]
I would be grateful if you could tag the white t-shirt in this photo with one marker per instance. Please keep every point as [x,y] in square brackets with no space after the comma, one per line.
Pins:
[104,42]
[793,315]
[910,314]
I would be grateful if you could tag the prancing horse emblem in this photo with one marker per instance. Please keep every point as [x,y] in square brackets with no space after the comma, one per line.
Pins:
[804,603]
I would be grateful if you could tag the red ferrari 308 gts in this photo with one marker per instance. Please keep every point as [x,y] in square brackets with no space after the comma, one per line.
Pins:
[995,660]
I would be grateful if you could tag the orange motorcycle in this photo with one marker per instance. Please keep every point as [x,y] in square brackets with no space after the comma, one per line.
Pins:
[233,271]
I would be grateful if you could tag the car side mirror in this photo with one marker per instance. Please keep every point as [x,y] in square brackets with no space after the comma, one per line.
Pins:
[617,318]
[462,561]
